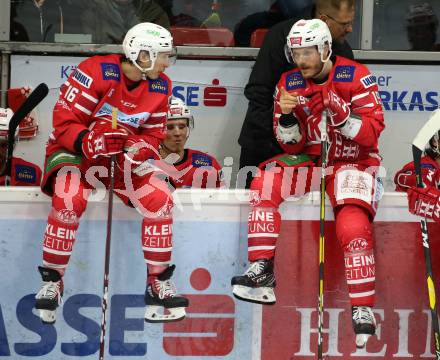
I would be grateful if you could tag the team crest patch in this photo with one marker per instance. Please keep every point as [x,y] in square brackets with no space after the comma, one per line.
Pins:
[344,73]
[110,71]
[159,86]
[25,174]
[368,81]
[82,78]
[199,160]
[295,81]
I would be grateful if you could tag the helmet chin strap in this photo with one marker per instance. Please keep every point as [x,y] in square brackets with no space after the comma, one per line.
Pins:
[324,67]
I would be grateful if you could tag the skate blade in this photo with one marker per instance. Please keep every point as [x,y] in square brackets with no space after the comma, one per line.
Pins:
[48,316]
[153,314]
[361,340]
[262,295]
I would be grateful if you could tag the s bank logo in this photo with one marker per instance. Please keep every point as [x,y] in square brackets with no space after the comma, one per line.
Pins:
[134,120]
[214,95]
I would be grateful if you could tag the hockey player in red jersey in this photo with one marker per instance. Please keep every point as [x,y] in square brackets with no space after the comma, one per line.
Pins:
[423,201]
[23,173]
[83,140]
[189,168]
[355,120]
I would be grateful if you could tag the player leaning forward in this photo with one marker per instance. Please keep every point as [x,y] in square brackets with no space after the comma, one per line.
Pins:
[354,123]
[83,137]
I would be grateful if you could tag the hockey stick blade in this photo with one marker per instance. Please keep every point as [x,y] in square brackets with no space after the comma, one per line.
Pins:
[427,131]
[39,93]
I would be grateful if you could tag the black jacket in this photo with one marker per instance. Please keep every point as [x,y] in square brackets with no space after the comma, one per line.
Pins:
[271,62]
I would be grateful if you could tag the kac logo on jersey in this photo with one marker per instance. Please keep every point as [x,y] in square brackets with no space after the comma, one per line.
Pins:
[83,79]
[344,73]
[199,160]
[159,86]
[368,81]
[110,71]
[25,174]
[134,120]
[295,81]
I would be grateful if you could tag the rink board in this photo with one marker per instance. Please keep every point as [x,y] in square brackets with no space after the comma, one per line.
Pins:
[213,91]
[210,247]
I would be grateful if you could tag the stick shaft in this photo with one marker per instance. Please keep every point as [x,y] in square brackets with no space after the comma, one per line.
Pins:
[107,244]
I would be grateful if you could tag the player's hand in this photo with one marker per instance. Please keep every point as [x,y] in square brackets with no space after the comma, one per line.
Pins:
[338,109]
[424,202]
[288,101]
[138,149]
[103,143]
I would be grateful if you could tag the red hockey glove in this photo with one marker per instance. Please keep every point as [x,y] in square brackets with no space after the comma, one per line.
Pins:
[424,202]
[138,149]
[140,153]
[103,143]
[316,102]
[338,109]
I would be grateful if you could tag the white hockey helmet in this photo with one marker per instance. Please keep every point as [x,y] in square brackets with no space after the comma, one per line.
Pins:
[314,32]
[148,37]
[5,118]
[178,110]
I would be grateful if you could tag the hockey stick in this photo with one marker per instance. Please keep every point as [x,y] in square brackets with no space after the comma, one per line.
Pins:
[418,145]
[323,128]
[29,104]
[108,242]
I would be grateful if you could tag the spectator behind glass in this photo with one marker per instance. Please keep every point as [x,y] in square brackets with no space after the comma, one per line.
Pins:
[421,26]
[185,18]
[109,20]
[17,30]
[42,19]
[260,20]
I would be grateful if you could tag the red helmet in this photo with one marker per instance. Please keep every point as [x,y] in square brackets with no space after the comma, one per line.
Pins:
[28,127]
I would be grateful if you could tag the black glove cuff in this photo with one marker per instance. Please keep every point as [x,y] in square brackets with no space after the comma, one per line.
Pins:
[288,120]
[78,142]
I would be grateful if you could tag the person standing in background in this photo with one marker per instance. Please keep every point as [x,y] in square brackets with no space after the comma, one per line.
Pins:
[109,20]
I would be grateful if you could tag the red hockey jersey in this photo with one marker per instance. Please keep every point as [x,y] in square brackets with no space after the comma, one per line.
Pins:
[24,173]
[93,89]
[196,170]
[354,84]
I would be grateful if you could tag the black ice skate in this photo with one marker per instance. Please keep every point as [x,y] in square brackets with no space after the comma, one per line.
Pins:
[161,295]
[50,295]
[256,284]
[364,324]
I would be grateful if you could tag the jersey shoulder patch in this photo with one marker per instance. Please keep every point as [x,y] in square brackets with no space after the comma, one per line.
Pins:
[110,71]
[200,159]
[158,85]
[295,81]
[344,73]
[25,173]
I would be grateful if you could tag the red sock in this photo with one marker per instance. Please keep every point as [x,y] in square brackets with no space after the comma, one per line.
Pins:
[157,245]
